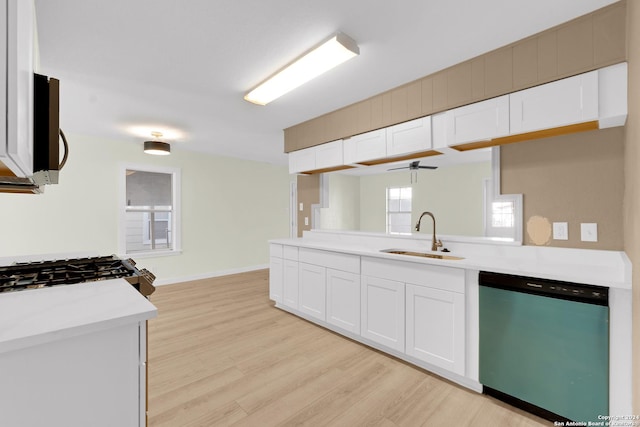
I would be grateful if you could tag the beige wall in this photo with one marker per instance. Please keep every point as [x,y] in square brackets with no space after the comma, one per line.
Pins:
[308,187]
[230,208]
[573,178]
[632,183]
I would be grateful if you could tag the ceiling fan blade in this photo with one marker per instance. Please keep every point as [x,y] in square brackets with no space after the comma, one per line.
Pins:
[427,167]
[395,169]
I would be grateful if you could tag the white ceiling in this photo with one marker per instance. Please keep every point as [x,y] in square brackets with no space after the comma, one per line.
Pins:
[128,67]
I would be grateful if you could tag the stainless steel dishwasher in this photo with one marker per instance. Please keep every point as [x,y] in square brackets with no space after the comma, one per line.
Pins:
[544,346]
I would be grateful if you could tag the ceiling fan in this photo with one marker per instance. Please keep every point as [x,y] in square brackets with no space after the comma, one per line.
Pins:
[413,167]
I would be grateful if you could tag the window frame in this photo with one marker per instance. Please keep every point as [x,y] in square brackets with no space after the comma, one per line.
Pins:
[387,211]
[175,211]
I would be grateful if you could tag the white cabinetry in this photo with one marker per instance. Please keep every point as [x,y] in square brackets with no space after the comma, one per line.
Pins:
[435,327]
[434,304]
[405,138]
[343,300]
[409,137]
[290,277]
[290,283]
[612,95]
[312,283]
[276,278]
[480,121]
[383,314]
[366,146]
[326,282]
[276,272]
[324,156]
[16,79]
[560,103]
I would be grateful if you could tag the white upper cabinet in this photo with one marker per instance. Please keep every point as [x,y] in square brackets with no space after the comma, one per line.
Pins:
[480,121]
[302,160]
[612,95]
[322,156]
[409,137]
[329,155]
[560,103]
[366,146]
[16,77]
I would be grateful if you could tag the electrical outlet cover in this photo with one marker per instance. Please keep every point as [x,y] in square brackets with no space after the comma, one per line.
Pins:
[560,231]
[589,232]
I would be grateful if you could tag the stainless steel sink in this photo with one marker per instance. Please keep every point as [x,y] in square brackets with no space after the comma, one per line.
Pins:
[422,254]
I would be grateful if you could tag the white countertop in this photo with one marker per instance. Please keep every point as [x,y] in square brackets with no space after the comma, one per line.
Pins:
[595,267]
[37,316]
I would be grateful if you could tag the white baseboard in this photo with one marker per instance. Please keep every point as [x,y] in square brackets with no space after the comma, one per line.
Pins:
[172,280]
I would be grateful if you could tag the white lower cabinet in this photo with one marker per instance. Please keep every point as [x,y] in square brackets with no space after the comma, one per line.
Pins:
[290,284]
[276,278]
[383,314]
[435,328]
[343,300]
[312,286]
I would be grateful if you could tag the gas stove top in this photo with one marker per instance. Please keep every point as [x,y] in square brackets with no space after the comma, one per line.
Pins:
[34,275]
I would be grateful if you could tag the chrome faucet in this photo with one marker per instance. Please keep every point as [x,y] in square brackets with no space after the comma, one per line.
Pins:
[435,243]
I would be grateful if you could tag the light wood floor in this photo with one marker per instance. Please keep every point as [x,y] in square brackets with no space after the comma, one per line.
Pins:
[221,354]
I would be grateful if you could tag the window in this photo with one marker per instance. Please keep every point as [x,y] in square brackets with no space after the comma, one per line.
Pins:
[399,210]
[501,213]
[150,211]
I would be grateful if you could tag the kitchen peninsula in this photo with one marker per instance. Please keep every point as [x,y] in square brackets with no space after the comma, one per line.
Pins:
[344,281]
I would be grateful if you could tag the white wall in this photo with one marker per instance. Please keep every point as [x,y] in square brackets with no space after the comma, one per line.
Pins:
[230,208]
[342,210]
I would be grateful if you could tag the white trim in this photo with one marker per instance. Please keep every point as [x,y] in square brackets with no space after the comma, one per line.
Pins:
[293,209]
[174,280]
[176,186]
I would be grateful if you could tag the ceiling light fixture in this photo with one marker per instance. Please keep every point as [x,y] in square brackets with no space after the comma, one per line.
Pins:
[322,58]
[158,148]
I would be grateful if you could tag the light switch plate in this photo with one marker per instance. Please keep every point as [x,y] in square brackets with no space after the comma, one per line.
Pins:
[589,232]
[301,206]
[306,220]
[560,231]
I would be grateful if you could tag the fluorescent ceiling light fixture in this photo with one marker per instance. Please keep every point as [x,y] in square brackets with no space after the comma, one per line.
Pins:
[329,54]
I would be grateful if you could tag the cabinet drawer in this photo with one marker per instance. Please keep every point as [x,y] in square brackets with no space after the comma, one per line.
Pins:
[337,261]
[275,250]
[433,276]
[290,252]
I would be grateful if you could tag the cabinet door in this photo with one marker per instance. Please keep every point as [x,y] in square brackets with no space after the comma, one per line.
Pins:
[560,103]
[16,151]
[276,279]
[290,284]
[382,312]
[329,155]
[366,146]
[476,122]
[409,137]
[302,160]
[435,327]
[343,300]
[312,284]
